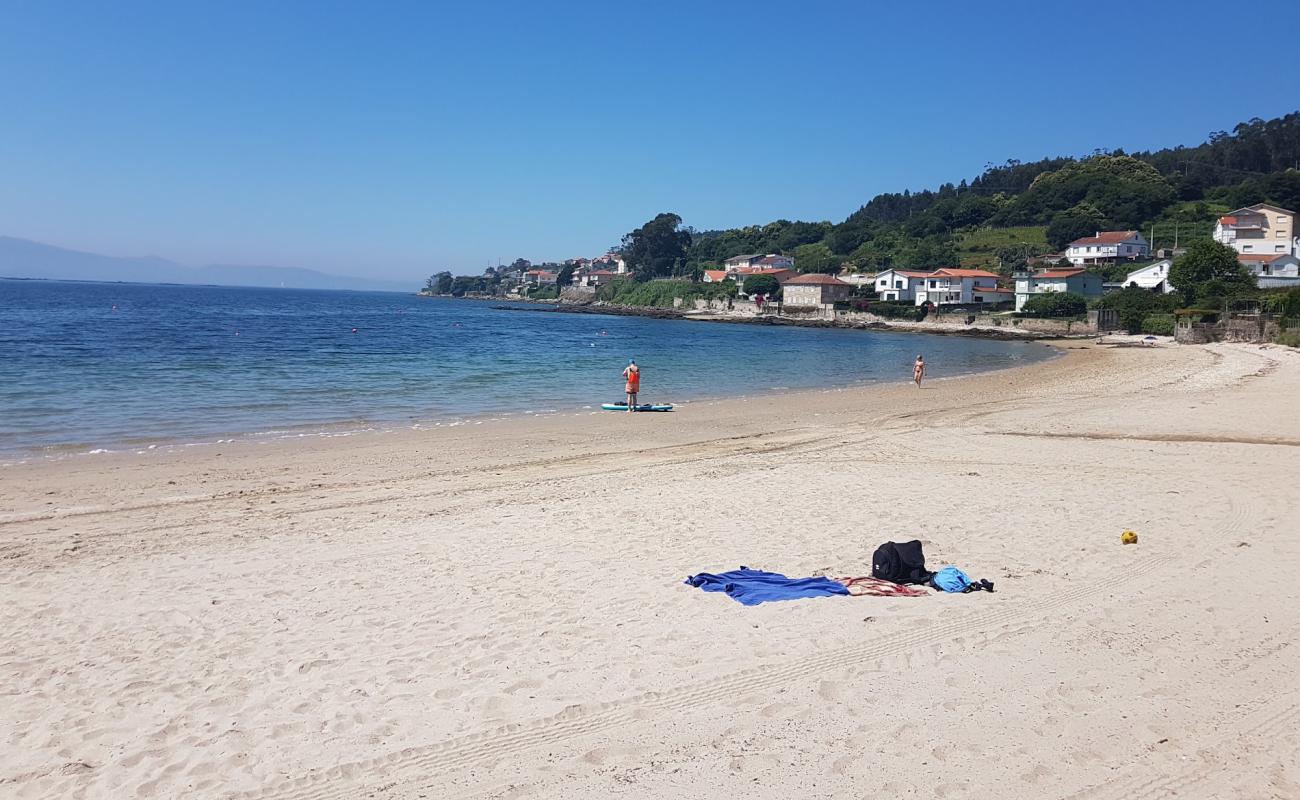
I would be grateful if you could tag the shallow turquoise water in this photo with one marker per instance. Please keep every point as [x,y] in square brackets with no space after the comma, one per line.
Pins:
[97,365]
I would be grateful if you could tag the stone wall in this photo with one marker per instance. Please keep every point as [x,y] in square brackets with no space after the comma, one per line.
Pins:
[1250,328]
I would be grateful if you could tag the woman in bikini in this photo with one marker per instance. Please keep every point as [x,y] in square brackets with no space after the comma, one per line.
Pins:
[918,370]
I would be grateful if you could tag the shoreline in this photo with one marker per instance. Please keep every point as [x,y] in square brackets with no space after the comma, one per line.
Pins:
[499,610]
[363,428]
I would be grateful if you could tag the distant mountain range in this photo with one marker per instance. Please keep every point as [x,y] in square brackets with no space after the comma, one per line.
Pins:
[22,258]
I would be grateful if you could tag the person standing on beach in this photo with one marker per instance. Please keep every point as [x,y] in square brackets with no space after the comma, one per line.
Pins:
[633,374]
[918,370]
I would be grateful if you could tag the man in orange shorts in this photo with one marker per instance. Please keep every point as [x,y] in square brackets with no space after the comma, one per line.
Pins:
[633,375]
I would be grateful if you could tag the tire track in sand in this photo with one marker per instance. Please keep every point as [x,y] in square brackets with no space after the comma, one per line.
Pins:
[417,765]
[420,763]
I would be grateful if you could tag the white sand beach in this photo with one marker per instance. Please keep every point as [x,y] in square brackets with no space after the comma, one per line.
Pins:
[497,610]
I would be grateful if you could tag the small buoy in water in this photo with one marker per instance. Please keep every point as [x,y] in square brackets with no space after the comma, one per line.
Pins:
[236,333]
[1128,537]
[354,330]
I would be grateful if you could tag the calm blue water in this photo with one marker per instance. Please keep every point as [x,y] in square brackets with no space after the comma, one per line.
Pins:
[88,365]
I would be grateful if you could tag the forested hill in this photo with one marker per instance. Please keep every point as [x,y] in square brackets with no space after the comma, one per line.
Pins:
[1021,209]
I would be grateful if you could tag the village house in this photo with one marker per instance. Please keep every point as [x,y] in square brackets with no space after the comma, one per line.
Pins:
[739,275]
[769,261]
[610,261]
[1280,271]
[540,277]
[951,286]
[1261,229]
[1060,279]
[1153,276]
[1108,247]
[814,289]
[899,285]
[596,277]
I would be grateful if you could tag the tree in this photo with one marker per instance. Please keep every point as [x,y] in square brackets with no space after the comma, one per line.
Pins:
[1135,304]
[565,276]
[1209,268]
[438,283]
[657,247]
[1055,304]
[1081,220]
[765,285]
[816,257]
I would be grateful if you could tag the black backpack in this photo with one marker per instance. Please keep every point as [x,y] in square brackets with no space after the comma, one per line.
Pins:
[900,562]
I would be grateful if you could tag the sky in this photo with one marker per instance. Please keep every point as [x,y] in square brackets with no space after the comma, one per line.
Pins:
[396,139]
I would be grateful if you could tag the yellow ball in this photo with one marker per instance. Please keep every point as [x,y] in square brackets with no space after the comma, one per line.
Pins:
[1128,537]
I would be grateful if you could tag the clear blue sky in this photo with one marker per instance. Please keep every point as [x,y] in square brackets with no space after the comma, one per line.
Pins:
[398,138]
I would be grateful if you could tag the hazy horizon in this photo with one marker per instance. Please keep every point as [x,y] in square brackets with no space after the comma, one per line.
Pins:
[401,140]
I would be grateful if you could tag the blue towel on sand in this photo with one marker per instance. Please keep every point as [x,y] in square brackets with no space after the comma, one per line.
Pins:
[754,586]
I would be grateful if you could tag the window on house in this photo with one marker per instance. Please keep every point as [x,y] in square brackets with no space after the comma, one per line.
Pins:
[898,284]
[1279,248]
[1246,248]
[1280,234]
[1281,220]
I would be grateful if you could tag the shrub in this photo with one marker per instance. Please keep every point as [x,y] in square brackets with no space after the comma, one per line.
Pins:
[1289,338]
[1158,325]
[892,310]
[1055,304]
[765,285]
[1135,304]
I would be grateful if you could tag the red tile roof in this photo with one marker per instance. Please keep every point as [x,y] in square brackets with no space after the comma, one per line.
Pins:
[1228,220]
[1265,257]
[815,278]
[952,272]
[1060,273]
[716,274]
[774,272]
[1105,237]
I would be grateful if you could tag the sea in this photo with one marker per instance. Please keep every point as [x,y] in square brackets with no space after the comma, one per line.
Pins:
[97,367]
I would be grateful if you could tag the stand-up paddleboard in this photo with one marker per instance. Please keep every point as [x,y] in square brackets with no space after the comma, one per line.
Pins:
[639,407]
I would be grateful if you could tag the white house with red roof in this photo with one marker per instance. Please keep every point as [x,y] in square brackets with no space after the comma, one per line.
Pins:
[1279,271]
[814,289]
[1107,247]
[541,277]
[953,286]
[1059,279]
[1257,230]
[899,285]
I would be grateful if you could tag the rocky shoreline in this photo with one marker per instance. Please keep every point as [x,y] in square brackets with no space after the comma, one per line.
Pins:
[941,329]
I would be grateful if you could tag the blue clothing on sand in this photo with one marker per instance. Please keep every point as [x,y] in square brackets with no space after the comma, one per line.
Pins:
[754,586]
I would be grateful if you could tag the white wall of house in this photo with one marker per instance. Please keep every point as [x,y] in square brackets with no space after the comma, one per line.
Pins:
[1261,229]
[1132,248]
[1085,283]
[1151,276]
[895,286]
[1284,267]
[941,289]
